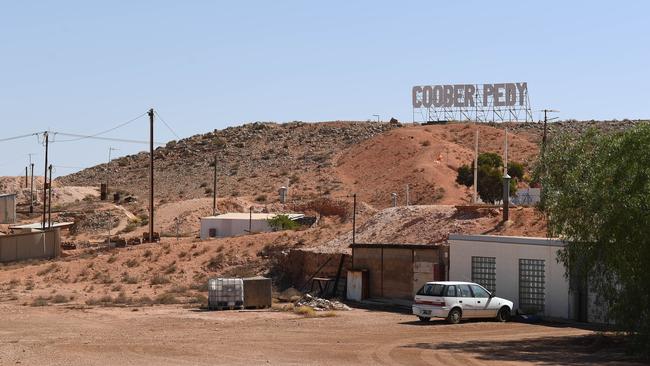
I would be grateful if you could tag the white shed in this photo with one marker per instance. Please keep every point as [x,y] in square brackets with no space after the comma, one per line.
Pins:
[524,270]
[235,223]
[7,208]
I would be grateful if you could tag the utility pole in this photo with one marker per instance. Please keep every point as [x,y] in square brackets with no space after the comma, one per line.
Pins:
[214,189]
[354,218]
[151,176]
[506,183]
[546,119]
[108,174]
[250,219]
[45,134]
[31,190]
[376,115]
[49,204]
[475,192]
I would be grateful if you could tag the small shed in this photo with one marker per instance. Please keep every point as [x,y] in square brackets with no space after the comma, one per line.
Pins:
[395,272]
[236,223]
[7,208]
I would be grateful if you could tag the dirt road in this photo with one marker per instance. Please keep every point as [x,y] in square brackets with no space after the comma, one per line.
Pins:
[166,335]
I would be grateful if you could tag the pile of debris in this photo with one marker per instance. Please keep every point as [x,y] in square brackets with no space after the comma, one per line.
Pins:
[319,304]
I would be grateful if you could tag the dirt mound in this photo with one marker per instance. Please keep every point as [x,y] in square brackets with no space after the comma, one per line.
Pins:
[254,160]
[424,157]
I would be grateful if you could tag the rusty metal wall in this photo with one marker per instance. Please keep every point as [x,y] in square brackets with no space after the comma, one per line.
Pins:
[370,259]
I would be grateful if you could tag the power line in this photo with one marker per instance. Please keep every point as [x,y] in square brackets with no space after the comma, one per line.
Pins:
[167,125]
[69,167]
[19,137]
[81,137]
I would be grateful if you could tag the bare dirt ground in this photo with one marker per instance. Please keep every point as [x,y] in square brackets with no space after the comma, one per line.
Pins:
[172,335]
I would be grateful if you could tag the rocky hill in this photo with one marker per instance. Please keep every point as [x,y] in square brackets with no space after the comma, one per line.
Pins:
[253,160]
[329,158]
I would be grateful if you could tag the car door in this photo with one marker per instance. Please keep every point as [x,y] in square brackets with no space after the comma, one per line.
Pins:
[482,301]
[466,301]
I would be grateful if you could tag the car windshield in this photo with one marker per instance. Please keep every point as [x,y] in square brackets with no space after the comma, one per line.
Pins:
[432,289]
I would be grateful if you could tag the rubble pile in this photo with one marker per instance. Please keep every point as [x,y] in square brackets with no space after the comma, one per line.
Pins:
[319,304]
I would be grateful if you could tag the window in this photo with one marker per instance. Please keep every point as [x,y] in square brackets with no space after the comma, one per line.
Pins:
[479,291]
[431,289]
[451,291]
[531,285]
[463,291]
[484,272]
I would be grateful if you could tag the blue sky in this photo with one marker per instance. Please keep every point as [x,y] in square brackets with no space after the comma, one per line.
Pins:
[82,67]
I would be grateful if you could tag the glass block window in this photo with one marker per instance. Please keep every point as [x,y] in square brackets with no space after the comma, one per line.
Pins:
[531,285]
[484,272]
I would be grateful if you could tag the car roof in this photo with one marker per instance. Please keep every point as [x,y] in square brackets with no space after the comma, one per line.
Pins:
[451,283]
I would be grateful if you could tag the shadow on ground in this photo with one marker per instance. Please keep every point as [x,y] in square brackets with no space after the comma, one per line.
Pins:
[573,350]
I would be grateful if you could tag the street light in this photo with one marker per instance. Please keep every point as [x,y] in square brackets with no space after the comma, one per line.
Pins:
[376,115]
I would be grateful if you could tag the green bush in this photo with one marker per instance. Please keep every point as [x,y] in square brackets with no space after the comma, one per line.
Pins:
[282,222]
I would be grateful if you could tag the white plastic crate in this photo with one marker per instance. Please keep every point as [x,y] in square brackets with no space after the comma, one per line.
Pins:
[225,293]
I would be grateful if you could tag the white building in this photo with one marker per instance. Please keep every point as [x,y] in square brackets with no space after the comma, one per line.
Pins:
[7,208]
[526,196]
[521,269]
[234,223]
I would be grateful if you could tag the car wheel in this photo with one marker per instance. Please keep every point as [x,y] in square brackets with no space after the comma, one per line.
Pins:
[424,319]
[504,314]
[454,316]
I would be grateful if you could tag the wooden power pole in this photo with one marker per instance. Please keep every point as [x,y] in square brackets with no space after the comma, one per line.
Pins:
[151,213]
[214,189]
[45,179]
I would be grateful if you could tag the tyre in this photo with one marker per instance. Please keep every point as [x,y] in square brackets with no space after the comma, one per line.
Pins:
[454,316]
[424,319]
[504,314]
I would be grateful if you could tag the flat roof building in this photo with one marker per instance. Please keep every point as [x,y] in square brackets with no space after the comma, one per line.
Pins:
[239,223]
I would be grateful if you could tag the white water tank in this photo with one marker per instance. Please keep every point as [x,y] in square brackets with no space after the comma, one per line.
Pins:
[225,293]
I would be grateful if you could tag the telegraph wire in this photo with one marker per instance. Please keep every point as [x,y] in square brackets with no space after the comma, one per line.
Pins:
[19,137]
[81,137]
[167,125]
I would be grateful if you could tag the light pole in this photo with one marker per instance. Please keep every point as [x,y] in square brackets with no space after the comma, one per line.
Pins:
[108,174]
[376,115]
[31,186]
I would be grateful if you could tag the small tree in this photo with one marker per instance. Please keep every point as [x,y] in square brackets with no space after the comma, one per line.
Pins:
[596,193]
[282,222]
[490,177]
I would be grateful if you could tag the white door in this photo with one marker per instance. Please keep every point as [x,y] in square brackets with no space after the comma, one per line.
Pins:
[467,302]
[484,305]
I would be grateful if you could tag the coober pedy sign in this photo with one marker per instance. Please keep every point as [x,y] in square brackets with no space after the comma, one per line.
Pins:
[498,102]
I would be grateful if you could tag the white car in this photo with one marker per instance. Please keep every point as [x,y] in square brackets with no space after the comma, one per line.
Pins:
[459,300]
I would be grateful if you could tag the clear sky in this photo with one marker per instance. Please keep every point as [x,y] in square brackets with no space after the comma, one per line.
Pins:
[83,67]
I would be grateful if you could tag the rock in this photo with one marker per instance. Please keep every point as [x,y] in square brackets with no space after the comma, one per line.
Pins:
[319,304]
